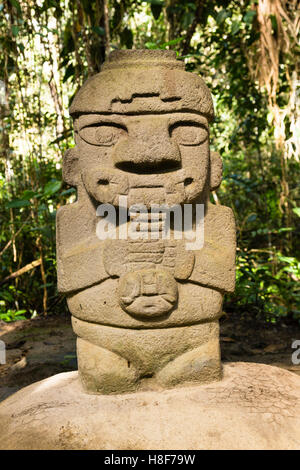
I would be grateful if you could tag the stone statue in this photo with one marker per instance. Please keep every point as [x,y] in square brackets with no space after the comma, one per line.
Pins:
[145,309]
[145,301]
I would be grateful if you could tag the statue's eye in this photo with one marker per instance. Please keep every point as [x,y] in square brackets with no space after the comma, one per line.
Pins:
[189,133]
[102,134]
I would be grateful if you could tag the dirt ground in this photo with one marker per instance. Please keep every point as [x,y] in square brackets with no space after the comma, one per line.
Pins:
[39,348]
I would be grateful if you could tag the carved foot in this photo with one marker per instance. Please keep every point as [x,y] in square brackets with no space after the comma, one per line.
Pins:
[199,365]
[102,371]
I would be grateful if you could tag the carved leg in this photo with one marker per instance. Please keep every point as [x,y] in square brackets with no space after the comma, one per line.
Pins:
[199,365]
[102,371]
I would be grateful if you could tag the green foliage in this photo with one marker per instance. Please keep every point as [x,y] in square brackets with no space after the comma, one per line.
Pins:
[9,315]
[266,285]
[12,315]
[47,50]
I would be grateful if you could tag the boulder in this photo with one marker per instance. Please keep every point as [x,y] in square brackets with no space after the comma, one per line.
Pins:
[254,406]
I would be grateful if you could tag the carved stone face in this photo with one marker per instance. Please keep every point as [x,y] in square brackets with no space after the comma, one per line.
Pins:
[143,134]
[150,158]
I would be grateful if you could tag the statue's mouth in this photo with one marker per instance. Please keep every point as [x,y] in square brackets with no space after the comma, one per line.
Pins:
[164,166]
[106,185]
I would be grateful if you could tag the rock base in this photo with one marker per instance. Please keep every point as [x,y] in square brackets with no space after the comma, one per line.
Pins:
[255,406]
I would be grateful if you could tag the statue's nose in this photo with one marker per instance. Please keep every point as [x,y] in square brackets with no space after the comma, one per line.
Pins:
[147,153]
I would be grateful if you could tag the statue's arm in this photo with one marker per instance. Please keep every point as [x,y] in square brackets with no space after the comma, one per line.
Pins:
[215,262]
[79,256]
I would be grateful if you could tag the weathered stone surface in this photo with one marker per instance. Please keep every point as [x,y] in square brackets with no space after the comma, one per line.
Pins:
[124,360]
[254,407]
[142,138]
